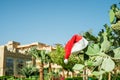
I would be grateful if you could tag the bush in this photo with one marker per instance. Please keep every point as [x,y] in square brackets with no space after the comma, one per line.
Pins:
[5,77]
[74,78]
[80,78]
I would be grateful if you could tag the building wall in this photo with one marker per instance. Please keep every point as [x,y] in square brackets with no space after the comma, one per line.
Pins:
[2,60]
[13,55]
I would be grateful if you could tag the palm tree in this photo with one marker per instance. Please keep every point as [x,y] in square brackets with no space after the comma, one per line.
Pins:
[43,57]
[28,71]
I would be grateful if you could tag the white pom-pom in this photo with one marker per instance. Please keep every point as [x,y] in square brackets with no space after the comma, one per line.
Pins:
[66,61]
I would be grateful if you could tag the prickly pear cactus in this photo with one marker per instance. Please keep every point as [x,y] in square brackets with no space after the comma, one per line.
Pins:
[115,17]
[116,26]
[117,14]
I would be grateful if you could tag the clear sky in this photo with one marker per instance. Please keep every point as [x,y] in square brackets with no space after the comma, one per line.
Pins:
[51,21]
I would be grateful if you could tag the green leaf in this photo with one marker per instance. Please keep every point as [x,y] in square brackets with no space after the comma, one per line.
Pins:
[112,16]
[93,49]
[89,63]
[108,64]
[117,53]
[97,73]
[105,46]
[78,67]
[98,61]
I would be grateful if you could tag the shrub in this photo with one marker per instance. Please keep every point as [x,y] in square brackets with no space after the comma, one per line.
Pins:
[74,78]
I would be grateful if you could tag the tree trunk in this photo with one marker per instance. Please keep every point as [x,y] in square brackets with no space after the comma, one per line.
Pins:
[67,74]
[85,76]
[109,76]
[63,72]
[33,61]
[41,71]
[73,74]
[50,70]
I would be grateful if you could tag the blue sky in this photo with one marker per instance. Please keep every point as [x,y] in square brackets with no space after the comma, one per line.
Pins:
[51,21]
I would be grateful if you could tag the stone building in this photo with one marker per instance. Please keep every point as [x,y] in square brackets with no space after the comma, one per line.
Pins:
[13,56]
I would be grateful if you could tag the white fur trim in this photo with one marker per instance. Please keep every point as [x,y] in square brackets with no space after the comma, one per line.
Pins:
[79,45]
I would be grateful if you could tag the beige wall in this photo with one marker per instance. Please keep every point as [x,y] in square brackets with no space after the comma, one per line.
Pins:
[16,51]
[2,48]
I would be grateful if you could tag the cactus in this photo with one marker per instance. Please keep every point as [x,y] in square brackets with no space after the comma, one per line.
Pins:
[116,26]
[114,14]
[117,14]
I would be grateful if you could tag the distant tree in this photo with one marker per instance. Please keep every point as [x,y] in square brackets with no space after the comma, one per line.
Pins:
[57,57]
[43,57]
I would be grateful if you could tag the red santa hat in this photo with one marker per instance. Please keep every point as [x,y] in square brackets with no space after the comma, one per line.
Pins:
[74,45]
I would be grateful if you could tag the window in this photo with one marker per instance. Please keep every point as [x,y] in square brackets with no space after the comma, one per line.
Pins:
[9,66]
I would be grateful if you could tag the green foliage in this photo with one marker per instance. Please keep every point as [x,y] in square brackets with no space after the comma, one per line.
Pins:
[102,51]
[116,26]
[88,63]
[112,16]
[80,78]
[91,38]
[98,73]
[41,55]
[108,64]
[117,53]
[118,14]
[93,49]
[105,46]
[74,78]
[57,57]
[115,17]
[97,61]
[29,71]
[99,52]
[71,63]
[78,67]
[6,77]
[115,76]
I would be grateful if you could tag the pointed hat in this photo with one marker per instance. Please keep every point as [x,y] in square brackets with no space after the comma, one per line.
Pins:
[74,45]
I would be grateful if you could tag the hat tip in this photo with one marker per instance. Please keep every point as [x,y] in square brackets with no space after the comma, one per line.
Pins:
[66,61]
